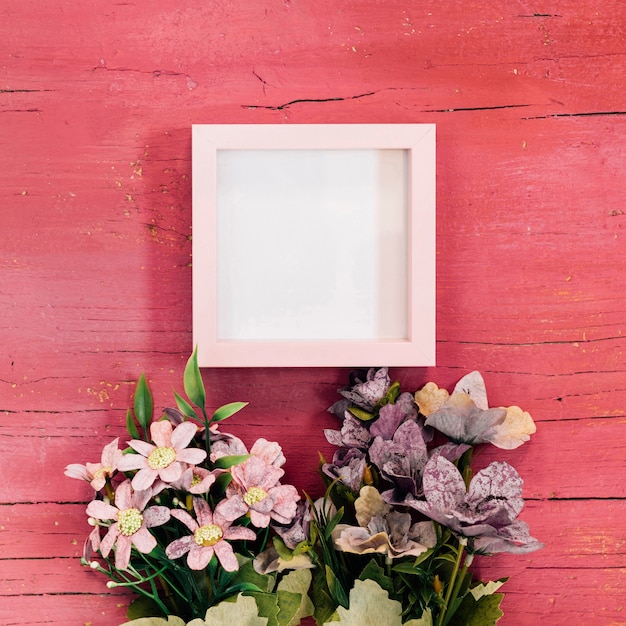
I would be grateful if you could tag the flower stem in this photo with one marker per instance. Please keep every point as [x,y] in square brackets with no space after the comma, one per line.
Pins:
[453,584]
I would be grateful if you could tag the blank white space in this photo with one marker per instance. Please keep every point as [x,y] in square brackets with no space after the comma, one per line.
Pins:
[312,245]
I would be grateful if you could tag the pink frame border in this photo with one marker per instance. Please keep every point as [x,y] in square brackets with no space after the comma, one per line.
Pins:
[419,348]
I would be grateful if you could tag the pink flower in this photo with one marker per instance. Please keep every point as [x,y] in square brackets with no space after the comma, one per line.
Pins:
[97,473]
[164,459]
[256,484]
[268,451]
[211,532]
[196,480]
[130,525]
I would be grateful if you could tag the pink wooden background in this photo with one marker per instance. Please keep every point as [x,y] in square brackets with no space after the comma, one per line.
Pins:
[96,103]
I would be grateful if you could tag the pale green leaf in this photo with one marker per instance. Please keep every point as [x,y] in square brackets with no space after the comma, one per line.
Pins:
[425,620]
[370,605]
[243,612]
[171,620]
[298,583]
[184,407]
[487,589]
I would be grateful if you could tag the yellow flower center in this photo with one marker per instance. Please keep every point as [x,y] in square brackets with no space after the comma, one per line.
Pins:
[103,471]
[254,495]
[161,458]
[208,535]
[195,480]
[129,521]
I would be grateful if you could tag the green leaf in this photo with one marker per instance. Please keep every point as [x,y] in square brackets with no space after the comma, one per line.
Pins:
[337,592]
[142,607]
[361,414]
[225,462]
[484,612]
[244,608]
[192,381]
[330,526]
[267,607]
[131,426]
[486,589]
[293,589]
[227,410]
[373,571]
[143,403]
[323,603]
[411,567]
[184,407]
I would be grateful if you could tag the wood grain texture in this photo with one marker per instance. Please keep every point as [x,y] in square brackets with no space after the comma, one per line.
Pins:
[96,104]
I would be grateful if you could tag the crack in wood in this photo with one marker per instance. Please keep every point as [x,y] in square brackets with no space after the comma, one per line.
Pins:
[584,114]
[488,108]
[286,105]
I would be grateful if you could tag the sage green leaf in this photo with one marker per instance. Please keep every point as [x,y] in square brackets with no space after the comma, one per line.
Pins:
[171,620]
[192,381]
[267,608]
[370,605]
[142,607]
[131,426]
[227,410]
[143,403]
[337,592]
[484,612]
[243,612]
[324,605]
[224,462]
[373,571]
[248,575]
[184,407]
[486,589]
[293,598]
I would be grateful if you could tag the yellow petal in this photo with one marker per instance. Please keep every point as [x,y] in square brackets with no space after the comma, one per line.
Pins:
[517,428]
[430,398]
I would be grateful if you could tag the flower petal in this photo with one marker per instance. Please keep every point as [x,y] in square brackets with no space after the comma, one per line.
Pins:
[143,540]
[178,547]
[101,510]
[156,516]
[200,556]
[226,556]
[144,479]
[161,433]
[122,552]
[183,434]
[193,456]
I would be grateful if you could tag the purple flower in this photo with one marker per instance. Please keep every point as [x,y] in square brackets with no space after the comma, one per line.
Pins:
[402,459]
[486,513]
[383,530]
[366,394]
[348,465]
[461,420]
[353,434]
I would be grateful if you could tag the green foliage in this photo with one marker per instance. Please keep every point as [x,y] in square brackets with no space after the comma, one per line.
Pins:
[192,381]
[227,411]
[143,404]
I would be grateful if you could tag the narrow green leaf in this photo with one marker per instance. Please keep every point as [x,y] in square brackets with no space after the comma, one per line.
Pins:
[227,410]
[143,403]
[361,414]
[184,407]
[131,426]
[228,461]
[192,381]
[330,526]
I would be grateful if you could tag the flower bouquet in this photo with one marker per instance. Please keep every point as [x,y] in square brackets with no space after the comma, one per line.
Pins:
[183,513]
[404,515]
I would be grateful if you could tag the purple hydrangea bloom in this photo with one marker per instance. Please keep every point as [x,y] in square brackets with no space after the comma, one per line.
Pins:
[485,513]
[366,394]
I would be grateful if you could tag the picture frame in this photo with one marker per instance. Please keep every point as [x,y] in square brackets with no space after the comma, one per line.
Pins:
[313,245]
